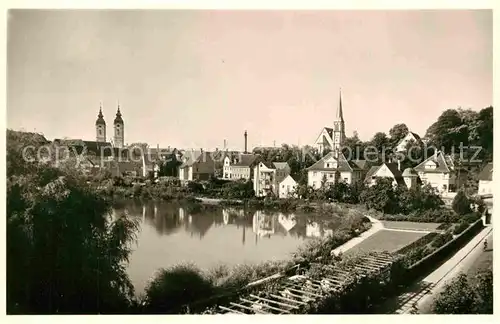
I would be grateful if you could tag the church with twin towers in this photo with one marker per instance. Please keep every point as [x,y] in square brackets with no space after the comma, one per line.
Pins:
[332,139]
[118,127]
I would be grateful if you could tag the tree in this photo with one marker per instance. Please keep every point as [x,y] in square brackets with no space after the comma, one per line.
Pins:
[65,254]
[483,132]
[458,297]
[461,203]
[381,196]
[380,141]
[353,147]
[397,133]
[448,131]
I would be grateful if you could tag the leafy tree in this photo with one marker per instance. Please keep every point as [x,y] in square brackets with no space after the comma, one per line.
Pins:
[65,254]
[457,298]
[483,133]
[448,131]
[353,147]
[461,203]
[381,196]
[397,133]
[380,141]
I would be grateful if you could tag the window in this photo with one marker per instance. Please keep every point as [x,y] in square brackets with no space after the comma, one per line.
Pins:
[331,175]
[282,186]
[345,179]
[328,165]
[100,131]
[315,173]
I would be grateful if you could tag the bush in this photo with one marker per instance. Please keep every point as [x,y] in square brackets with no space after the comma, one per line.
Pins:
[465,295]
[172,288]
[461,204]
[472,217]
[459,228]
[442,239]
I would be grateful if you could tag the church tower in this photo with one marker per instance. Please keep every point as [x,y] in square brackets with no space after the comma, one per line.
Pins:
[119,138]
[100,127]
[338,135]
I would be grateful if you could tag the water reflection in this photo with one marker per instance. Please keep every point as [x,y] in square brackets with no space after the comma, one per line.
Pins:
[168,219]
[174,233]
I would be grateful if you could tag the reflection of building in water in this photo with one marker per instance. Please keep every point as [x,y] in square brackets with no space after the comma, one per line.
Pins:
[181,214]
[225,216]
[313,230]
[287,221]
[263,225]
[199,224]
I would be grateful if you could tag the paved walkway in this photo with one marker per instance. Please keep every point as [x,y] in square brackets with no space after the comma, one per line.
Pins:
[376,226]
[422,294]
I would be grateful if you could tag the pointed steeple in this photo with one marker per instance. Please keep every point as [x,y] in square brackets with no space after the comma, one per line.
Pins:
[118,118]
[340,114]
[100,117]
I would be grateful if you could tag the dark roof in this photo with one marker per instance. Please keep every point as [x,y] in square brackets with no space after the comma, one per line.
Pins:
[93,147]
[409,172]
[245,160]
[342,164]
[280,165]
[442,164]
[329,131]
[268,165]
[371,172]
[487,173]
[100,119]
[417,138]
[362,164]
[197,157]
[393,167]
[295,178]
[118,118]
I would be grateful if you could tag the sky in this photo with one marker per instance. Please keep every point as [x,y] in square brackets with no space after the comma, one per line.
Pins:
[192,79]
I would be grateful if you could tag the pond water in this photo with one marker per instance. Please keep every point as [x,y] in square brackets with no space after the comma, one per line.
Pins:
[172,233]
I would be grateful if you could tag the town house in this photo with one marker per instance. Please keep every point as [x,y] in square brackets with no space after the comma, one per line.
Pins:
[333,167]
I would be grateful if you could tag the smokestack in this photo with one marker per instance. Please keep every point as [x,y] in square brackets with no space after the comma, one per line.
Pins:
[246,142]
[225,144]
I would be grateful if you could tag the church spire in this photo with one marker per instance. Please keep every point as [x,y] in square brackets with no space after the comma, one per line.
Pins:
[340,114]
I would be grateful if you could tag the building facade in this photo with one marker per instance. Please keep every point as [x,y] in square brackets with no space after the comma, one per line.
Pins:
[386,170]
[486,180]
[333,168]
[264,179]
[440,172]
[287,188]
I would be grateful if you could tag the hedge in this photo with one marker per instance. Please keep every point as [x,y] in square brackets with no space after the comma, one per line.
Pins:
[430,261]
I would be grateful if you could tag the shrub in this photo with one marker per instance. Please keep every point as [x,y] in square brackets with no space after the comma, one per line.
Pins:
[465,295]
[461,204]
[441,239]
[174,287]
[472,217]
[459,228]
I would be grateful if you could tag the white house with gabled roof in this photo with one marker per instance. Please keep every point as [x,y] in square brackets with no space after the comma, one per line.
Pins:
[411,136]
[335,167]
